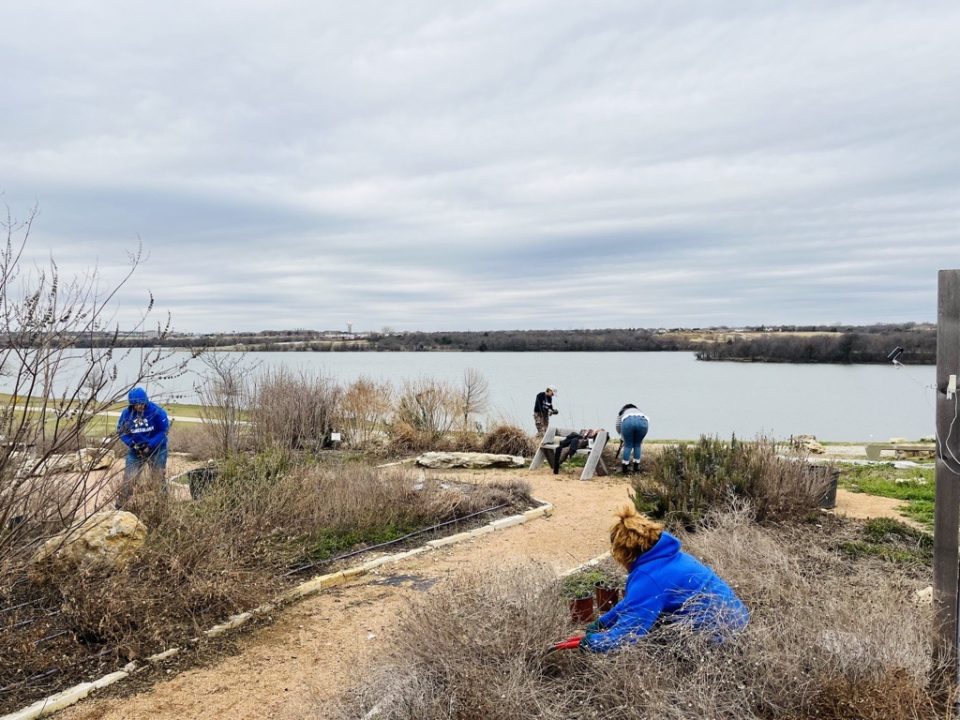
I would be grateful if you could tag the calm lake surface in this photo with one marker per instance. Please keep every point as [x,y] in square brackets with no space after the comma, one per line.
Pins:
[683,397]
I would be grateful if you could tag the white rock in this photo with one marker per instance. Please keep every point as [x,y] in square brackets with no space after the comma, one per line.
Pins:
[469,460]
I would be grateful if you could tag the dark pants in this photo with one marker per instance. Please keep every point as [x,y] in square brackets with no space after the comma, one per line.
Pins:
[567,447]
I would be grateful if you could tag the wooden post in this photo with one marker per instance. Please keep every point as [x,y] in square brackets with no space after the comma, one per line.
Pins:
[946,528]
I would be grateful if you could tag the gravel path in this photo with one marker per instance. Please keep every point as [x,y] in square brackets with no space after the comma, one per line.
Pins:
[316,648]
[320,646]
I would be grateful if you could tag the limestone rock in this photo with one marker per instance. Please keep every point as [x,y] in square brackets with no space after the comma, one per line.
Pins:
[469,460]
[924,596]
[107,538]
[808,443]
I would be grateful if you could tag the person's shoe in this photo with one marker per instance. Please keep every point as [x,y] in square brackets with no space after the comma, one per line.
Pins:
[636,467]
[624,468]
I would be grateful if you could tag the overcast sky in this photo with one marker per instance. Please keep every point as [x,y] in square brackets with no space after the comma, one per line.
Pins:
[434,164]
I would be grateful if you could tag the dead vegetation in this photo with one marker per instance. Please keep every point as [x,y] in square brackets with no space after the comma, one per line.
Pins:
[239,545]
[829,638]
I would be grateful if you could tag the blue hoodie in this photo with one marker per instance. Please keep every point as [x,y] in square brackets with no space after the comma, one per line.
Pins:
[149,428]
[667,582]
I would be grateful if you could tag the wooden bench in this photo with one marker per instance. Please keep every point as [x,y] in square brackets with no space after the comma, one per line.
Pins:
[551,441]
[901,450]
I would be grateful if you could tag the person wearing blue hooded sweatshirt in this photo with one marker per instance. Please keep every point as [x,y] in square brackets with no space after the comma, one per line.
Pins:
[143,428]
[664,584]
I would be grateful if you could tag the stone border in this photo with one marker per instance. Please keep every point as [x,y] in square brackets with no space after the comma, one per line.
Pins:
[73,695]
[573,571]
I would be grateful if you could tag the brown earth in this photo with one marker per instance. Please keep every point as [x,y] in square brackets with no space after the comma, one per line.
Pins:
[315,648]
[319,647]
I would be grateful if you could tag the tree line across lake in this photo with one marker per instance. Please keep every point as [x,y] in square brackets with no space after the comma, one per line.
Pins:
[789,343]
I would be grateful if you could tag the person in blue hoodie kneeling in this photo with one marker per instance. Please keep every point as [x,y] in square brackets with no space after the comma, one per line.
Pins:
[664,584]
[143,428]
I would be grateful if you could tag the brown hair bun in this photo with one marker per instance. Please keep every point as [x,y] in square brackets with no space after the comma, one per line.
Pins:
[632,535]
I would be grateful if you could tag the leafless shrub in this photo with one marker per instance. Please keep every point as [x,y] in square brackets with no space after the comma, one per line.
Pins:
[293,411]
[506,439]
[224,393]
[825,640]
[426,411]
[191,439]
[364,410]
[56,388]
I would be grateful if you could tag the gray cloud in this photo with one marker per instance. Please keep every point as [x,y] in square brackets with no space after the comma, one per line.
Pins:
[516,164]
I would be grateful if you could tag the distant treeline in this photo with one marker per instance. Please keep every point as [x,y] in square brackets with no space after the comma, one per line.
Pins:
[789,343]
[611,340]
[862,345]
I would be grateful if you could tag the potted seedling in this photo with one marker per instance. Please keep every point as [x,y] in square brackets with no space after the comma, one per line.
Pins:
[606,596]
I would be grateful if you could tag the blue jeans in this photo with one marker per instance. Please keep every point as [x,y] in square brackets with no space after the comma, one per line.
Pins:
[156,461]
[633,429]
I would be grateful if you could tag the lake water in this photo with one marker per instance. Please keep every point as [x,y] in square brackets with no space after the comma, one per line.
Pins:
[683,397]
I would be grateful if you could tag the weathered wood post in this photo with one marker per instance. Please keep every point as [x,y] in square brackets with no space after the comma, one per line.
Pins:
[946,532]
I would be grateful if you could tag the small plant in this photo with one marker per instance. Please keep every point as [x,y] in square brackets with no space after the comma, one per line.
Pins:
[583,583]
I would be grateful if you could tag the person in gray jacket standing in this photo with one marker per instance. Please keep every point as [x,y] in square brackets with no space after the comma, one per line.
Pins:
[632,426]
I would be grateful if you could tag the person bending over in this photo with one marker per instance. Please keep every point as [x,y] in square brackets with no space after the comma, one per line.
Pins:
[664,584]
[632,426]
[143,428]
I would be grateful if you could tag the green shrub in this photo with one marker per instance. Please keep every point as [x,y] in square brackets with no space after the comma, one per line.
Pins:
[687,481]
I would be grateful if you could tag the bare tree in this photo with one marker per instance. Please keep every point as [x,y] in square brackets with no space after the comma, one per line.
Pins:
[473,397]
[224,395]
[49,406]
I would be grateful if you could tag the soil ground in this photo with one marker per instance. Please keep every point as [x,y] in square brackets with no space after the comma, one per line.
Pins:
[319,647]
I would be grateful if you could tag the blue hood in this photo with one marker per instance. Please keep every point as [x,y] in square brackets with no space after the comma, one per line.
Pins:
[665,548]
[138,396]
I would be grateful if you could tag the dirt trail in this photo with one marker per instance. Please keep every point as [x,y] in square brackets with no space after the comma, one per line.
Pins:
[316,648]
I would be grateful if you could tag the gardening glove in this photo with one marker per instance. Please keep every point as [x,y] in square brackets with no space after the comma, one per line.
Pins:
[594,627]
[554,412]
[142,450]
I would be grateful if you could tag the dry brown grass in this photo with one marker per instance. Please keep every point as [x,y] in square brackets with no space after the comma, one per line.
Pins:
[227,552]
[827,639]
[505,439]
